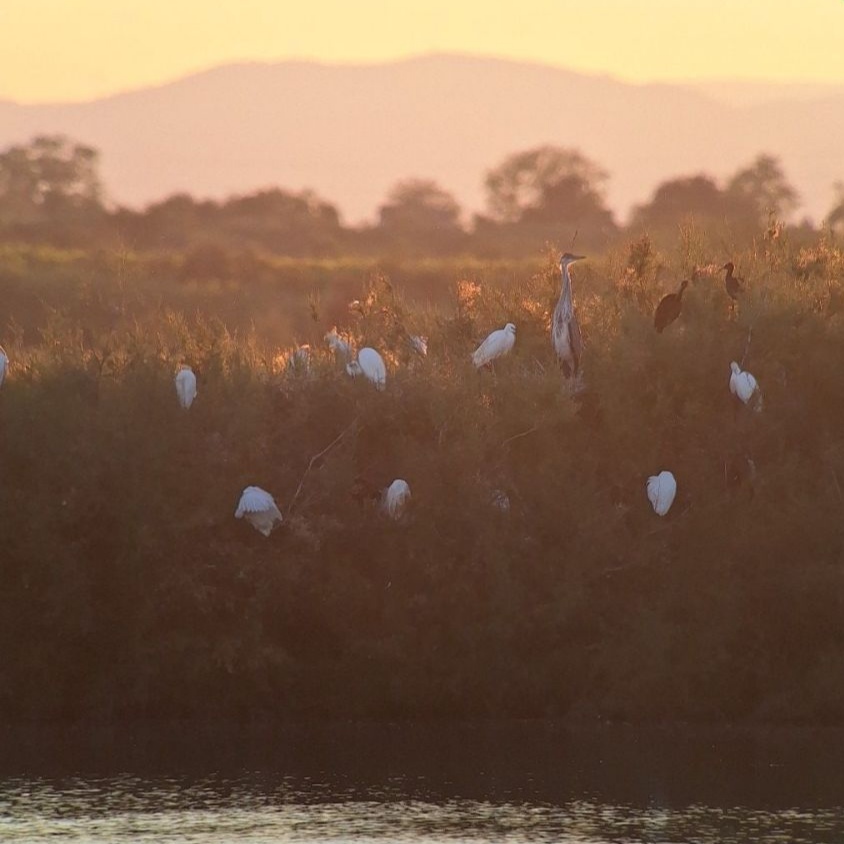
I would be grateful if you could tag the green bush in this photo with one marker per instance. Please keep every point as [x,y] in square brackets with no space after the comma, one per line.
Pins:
[128,589]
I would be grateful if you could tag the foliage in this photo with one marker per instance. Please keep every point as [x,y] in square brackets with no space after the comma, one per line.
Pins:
[50,184]
[764,185]
[128,589]
[748,199]
[419,215]
[537,195]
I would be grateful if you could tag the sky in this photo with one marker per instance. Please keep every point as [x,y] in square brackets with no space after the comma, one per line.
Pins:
[73,50]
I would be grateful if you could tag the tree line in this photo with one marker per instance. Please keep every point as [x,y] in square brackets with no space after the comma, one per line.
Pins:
[51,192]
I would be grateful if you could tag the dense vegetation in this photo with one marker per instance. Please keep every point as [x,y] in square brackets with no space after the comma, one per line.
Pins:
[128,589]
[51,193]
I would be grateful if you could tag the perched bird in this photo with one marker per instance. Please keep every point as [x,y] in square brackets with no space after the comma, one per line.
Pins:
[669,308]
[565,330]
[4,365]
[259,508]
[500,500]
[661,491]
[731,282]
[498,343]
[395,498]
[300,359]
[744,386]
[419,344]
[185,386]
[370,364]
[337,344]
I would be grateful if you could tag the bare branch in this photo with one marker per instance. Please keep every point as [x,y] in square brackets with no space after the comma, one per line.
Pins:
[747,346]
[519,436]
[314,459]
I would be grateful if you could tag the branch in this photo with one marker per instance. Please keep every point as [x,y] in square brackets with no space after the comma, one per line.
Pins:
[315,458]
[747,346]
[519,436]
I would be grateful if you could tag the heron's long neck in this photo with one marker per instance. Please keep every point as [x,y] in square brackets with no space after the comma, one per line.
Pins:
[565,293]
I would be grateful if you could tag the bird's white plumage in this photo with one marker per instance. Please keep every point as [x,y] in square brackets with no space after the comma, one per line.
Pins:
[395,498]
[4,365]
[744,386]
[259,508]
[661,491]
[500,500]
[338,345]
[498,343]
[419,344]
[370,364]
[185,386]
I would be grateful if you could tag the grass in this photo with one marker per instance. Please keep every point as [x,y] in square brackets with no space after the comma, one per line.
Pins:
[130,591]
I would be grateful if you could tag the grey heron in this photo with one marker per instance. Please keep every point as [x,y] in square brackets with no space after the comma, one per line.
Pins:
[565,330]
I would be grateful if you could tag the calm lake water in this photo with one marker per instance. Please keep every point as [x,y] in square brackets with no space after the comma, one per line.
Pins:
[421,783]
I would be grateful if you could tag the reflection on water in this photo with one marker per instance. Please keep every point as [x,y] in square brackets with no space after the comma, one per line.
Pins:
[424,785]
[219,810]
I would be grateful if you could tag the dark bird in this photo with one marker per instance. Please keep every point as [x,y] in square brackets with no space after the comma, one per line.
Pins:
[732,282]
[669,308]
[565,330]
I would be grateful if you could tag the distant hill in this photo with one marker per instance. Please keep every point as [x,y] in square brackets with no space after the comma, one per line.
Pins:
[350,132]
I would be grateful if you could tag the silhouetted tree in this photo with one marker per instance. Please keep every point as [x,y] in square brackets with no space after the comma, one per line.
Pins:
[763,185]
[419,212]
[538,179]
[835,217]
[697,196]
[50,188]
[174,223]
[295,224]
[537,195]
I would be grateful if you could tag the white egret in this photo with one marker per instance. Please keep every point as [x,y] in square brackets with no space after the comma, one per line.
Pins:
[337,344]
[498,343]
[419,344]
[4,365]
[661,491]
[260,509]
[395,498]
[370,364]
[500,500]
[744,386]
[185,386]
[668,308]
[565,329]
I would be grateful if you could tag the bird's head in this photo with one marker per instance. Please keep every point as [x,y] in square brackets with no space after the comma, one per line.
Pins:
[684,284]
[729,267]
[510,328]
[567,258]
[735,368]
[353,369]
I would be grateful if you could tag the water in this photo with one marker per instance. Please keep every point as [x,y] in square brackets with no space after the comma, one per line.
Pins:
[425,783]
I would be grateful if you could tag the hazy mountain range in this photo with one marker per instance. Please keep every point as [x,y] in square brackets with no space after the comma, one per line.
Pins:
[350,132]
